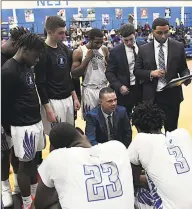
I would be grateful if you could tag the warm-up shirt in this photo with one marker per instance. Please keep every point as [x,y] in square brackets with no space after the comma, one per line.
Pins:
[52,75]
[20,101]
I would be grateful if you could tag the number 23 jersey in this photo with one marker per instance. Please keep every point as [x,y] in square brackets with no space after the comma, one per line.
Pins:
[99,177]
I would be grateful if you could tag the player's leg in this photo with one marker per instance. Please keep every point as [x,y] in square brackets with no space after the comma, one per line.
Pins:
[25,141]
[5,166]
[15,165]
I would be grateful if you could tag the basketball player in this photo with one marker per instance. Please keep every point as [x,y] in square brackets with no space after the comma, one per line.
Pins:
[8,50]
[90,61]
[96,177]
[166,159]
[21,110]
[53,79]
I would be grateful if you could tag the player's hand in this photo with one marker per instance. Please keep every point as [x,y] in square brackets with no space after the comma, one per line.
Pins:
[76,104]
[51,115]
[124,90]
[158,73]
[89,54]
[187,82]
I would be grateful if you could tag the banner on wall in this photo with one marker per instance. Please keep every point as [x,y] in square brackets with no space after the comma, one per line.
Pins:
[144,13]
[167,13]
[105,19]
[90,14]
[118,13]
[61,13]
[155,16]
[29,15]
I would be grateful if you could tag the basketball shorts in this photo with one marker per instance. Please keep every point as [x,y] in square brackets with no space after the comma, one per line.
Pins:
[143,199]
[64,112]
[89,99]
[27,140]
[6,141]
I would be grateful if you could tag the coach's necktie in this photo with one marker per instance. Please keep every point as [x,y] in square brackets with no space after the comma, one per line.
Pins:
[134,52]
[111,134]
[162,62]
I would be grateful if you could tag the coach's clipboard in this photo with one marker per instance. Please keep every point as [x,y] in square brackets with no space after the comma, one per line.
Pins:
[176,82]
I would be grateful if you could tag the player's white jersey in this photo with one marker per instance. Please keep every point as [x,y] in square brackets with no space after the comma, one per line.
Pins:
[168,163]
[99,177]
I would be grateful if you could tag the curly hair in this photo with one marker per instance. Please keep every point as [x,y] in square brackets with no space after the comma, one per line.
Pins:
[148,117]
[17,32]
[30,41]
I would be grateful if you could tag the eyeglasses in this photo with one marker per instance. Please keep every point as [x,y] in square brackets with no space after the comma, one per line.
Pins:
[162,32]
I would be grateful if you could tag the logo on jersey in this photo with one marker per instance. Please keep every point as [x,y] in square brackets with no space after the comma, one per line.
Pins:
[61,61]
[30,80]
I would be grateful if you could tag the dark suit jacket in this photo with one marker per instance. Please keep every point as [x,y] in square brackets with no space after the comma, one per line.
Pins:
[96,127]
[118,74]
[176,64]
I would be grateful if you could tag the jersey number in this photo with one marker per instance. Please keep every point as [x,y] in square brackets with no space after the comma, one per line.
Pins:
[95,174]
[181,164]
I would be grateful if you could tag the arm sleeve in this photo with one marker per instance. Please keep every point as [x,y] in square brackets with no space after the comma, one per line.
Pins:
[90,129]
[40,79]
[111,73]
[139,72]
[43,171]
[9,86]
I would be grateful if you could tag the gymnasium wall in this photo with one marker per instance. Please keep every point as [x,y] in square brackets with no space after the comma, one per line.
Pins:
[41,13]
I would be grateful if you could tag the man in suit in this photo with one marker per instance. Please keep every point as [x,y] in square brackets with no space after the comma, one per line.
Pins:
[120,69]
[108,121]
[158,62]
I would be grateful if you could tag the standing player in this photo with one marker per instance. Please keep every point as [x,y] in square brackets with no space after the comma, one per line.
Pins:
[53,78]
[90,61]
[8,50]
[96,177]
[166,159]
[21,110]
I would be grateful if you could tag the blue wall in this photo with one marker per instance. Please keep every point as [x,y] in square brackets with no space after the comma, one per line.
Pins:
[188,12]
[40,15]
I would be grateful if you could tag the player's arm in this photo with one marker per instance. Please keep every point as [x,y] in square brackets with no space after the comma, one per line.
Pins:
[78,67]
[90,129]
[127,131]
[106,53]
[40,80]
[9,84]
[46,194]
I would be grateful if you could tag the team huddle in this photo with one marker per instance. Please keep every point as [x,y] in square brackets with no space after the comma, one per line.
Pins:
[154,172]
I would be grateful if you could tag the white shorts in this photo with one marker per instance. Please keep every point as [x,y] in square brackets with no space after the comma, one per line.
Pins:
[27,140]
[6,141]
[64,112]
[89,99]
[143,199]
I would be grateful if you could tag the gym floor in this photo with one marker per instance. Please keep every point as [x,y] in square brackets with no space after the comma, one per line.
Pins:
[185,119]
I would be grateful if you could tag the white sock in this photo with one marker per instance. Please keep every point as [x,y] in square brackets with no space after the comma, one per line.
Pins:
[5,185]
[33,189]
[27,201]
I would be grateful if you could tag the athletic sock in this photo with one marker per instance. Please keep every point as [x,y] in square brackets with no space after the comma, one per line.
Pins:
[27,201]
[33,189]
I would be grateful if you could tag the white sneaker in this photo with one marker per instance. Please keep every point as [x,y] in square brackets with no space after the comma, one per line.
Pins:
[7,198]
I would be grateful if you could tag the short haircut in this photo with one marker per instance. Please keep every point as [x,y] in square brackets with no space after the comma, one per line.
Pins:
[148,117]
[159,22]
[95,32]
[17,32]
[106,90]
[127,30]
[30,41]
[62,135]
[54,22]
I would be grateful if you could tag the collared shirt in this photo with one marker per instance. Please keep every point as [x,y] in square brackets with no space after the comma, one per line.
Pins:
[131,62]
[165,50]
[106,120]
